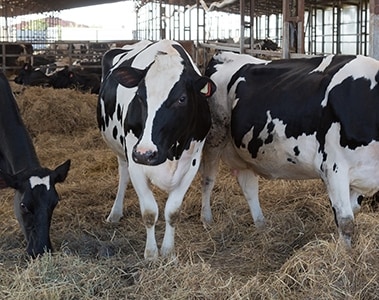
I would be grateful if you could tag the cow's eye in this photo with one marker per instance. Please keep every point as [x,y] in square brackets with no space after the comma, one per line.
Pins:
[182,100]
[24,208]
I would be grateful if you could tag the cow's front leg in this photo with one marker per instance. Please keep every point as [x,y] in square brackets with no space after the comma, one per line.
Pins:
[337,183]
[173,206]
[149,210]
[248,181]
[172,216]
[117,208]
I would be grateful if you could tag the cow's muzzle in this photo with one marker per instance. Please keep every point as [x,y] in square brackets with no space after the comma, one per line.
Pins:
[147,157]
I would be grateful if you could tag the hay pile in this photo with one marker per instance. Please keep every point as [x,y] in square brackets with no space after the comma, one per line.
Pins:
[295,257]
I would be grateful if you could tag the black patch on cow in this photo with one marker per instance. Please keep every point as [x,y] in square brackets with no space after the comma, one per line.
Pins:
[109,98]
[107,61]
[119,113]
[137,113]
[335,168]
[110,84]
[296,151]
[289,92]
[174,133]
[324,156]
[291,160]
[115,132]
[183,55]
[355,107]
[194,162]
[335,216]
[270,127]
[269,139]
[211,67]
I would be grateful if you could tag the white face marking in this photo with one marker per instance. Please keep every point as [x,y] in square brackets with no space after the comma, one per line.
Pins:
[35,180]
[160,79]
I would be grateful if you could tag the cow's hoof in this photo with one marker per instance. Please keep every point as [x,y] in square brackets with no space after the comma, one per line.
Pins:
[260,224]
[207,225]
[151,254]
[114,218]
[168,254]
[207,220]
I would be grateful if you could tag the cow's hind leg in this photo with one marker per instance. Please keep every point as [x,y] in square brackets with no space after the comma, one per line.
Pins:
[208,170]
[337,183]
[248,181]
[117,208]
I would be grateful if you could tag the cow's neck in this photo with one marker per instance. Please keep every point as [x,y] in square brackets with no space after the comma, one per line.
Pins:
[16,146]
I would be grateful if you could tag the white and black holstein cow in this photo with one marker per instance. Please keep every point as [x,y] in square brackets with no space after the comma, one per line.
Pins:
[296,119]
[36,196]
[153,113]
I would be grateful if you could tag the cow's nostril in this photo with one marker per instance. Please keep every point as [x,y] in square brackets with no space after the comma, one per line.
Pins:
[147,157]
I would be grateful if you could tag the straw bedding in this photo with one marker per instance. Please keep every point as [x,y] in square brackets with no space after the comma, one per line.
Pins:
[297,256]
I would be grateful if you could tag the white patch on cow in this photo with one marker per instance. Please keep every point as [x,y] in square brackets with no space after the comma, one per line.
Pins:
[35,180]
[362,169]
[361,67]
[232,90]
[324,64]
[277,159]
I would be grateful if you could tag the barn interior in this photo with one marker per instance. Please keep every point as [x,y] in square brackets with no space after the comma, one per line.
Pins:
[294,27]
[297,257]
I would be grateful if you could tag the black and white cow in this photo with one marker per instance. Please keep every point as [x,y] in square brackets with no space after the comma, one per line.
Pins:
[296,119]
[32,77]
[153,113]
[36,196]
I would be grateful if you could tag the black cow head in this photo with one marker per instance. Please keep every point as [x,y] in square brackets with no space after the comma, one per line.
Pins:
[180,116]
[24,73]
[34,202]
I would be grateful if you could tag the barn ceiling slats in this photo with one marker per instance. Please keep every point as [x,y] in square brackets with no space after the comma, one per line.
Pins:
[11,8]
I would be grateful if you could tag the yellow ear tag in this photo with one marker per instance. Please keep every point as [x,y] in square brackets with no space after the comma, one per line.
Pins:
[206,90]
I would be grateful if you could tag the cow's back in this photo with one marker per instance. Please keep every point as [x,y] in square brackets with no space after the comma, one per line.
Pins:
[281,111]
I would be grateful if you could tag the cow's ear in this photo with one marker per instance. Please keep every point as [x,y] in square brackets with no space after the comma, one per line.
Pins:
[205,86]
[60,173]
[8,181]
[128,77]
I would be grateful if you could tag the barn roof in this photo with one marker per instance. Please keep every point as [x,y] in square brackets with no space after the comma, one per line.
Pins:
[11,8]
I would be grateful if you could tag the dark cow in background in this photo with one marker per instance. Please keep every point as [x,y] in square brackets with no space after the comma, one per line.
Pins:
[36,196]
[76,79]
[153,113]
[296,119]
[32,77]
[59,78]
